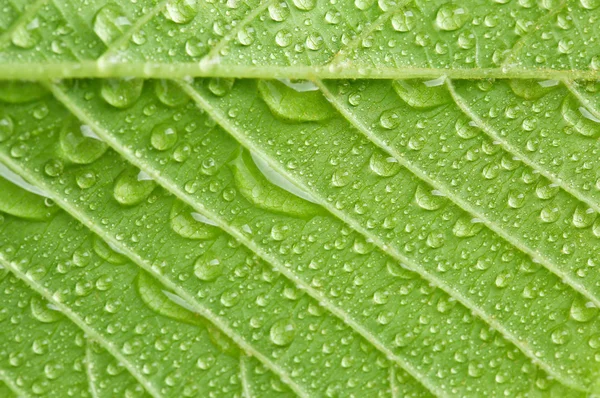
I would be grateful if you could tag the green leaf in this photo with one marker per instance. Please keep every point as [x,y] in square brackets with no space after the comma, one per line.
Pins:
[403,203]
[299,39]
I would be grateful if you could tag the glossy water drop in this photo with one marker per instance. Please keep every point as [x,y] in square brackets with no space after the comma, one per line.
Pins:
[220,86]
[283,332]
[85,179]
[340,178]
[390,119]
[584,216]
[28,35]
[516,199]
[170,93]
[428,199]
[546,190]
[53,168]
[466,128]
[79,144]
[44,312]
[21,202]
[287,103]
[208,267]
[279,11]
[305,5]
[530,89]
[121,93]
[189,224]
[399,270]
[7,127]
[582,120]
[550,214]
[383,165]
[131,190]
[583,310]
[181,11]
[419,95]
[590,4]
[403,21]
[466,226]
[110,23]
[163,137]
[451,17]
[107,252]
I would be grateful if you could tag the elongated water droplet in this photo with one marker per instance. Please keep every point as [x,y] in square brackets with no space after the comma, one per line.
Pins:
[427,199]
[42,311]
[582,120]
[418,95]
[287,103]
[170,93]
[451,17]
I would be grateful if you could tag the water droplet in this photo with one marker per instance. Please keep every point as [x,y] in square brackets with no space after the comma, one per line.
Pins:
[207,267]
[170,94]
[590,4]
[290,104]
[583,216]
[245,36]
[390,119]
[283,38]
[279,11]
[583,310]
[451,17]
[403,21]
[550,214]
[283,332]
[560,336]
[110,23]
[466,226]
[18,92]
[530,89]
[582,120]
[220,86]
[340,178]
[305,5]
[181,11]
[85,179]
[516,199]
[428,199]
[121,93]
[79,144]
[44,312]
[7,126]
[466,128]
[189,224]
[418,95]
[53,168]
[546,190]
[384,165]
[27,36]
[107,252]
[163,137]
[130,190]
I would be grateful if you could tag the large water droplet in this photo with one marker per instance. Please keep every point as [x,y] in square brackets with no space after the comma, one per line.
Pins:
[170,93]
[582,120]
[403,21]
[208,267]
[181,11]
[583,216]
[466,226]
[531,89]
[7,126]
[418,94]
[18,92]
[28,35]
[283,332]
[121,93]
[44,312]
[583,310]
[451,17]
[384,165]
[79,144]
[288,103]
[305,5]
[110,23]
[130,190]
[163,137]
[190,224]
[428,199]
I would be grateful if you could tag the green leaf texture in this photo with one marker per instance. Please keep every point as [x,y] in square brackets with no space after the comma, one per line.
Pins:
[349,198]
[299,38]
